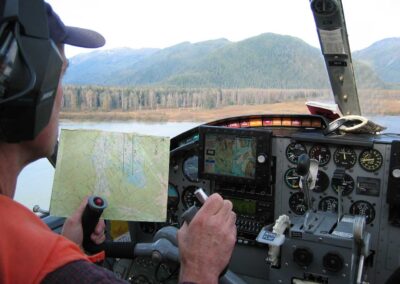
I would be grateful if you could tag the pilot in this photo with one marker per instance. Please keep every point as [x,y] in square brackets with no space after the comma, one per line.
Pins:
[29,251]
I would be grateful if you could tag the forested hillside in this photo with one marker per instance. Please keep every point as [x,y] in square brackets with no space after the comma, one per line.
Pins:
[265,61]
[384,57]
[266,69]
[132,99]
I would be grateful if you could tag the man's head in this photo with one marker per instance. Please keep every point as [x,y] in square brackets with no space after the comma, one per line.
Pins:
[31,34]
[30,73]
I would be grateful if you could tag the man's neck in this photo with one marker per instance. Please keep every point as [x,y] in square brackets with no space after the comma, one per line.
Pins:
[11,165]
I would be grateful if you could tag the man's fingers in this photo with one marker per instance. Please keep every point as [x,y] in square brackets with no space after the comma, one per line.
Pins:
[232,218]
[212,205]
[98,239]
[226,209]
[79,212]
[100,227]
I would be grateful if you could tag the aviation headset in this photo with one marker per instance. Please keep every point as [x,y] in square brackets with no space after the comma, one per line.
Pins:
[30,67]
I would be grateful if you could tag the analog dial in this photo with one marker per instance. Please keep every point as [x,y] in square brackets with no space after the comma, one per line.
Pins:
[188,197]
[363,208]
[322,182]
[191,168]
[294,150]
[345,156]
[173,196]
[346,185]
[370,160]
[297,203]
[320,153]
[292,179]
[328,203]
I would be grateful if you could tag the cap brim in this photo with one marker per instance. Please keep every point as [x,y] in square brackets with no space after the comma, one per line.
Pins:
[83,38]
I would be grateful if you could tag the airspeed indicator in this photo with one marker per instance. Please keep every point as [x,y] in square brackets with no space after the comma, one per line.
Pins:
[370,160]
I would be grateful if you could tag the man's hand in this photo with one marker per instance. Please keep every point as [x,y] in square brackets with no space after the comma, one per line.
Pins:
[73,231]
[206,244]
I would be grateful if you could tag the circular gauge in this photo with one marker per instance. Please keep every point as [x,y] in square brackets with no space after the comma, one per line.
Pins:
[320,153]
[347,185]
[328,203]
[363,208]
[297,203]
[294,150]
[345,156]
[322,182]
[188,197]
[173,196]
[191,168]
[292,179]
[370,160]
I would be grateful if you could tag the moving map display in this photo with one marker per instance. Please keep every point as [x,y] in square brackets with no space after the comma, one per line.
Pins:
[230,155]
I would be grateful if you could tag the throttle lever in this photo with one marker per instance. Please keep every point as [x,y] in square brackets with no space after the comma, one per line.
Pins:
[90,218]
[189,214]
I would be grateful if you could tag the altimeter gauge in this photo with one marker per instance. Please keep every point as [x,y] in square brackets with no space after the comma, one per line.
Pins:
[345,157]
[370,160]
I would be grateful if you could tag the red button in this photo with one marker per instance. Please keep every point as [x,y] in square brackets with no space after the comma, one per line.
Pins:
[98,201]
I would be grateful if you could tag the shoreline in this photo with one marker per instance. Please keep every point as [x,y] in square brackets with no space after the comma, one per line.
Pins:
[390,108]
[188,114]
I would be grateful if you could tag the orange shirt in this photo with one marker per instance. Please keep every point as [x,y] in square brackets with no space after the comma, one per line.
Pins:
[29,250]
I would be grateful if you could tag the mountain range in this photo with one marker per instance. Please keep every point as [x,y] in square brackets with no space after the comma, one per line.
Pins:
[265,61]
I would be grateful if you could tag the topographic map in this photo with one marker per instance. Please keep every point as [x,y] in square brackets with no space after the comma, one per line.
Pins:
[129,170]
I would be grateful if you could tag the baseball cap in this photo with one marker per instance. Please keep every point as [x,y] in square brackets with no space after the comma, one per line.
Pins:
[75,36]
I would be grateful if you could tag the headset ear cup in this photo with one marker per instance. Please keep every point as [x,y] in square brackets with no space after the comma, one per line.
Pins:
[24,117]
[8,56]
[30,89]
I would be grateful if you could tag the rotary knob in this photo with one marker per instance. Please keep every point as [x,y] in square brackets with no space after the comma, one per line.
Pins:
[262,158]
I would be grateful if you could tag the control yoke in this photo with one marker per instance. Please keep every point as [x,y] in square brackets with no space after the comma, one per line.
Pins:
[307,169]
[164,247]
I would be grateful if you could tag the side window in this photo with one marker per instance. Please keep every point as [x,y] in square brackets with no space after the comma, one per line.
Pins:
[34,185]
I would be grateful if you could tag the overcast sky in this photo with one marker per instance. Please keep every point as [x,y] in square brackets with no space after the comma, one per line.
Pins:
[163,23]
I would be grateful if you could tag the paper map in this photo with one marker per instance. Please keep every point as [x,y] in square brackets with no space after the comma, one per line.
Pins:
[129,170]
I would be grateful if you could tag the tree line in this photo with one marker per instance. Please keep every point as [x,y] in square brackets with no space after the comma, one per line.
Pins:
[103,99]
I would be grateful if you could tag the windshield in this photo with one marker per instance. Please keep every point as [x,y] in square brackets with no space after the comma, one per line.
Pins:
[220,56]
[169,65]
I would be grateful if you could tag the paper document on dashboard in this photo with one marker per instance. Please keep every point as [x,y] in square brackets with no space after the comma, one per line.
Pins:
[129,170]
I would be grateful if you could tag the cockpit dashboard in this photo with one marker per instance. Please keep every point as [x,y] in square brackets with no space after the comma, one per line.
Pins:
[252,161]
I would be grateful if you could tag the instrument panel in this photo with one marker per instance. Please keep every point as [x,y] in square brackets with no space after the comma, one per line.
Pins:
[352,179]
